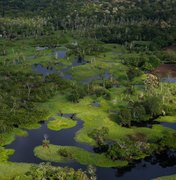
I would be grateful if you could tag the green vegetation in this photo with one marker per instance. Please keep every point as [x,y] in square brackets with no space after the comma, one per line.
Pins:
[61,123]
[170,119]
[47,171]
[11,170]
[173,177]
[99,135]
[30,171]
[127,150]
[9,137]
[5,153]
[83,157]
[102,61]
[98,117]
[109,21]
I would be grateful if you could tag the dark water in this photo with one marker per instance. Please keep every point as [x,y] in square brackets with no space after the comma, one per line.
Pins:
[143,170]
[24,146]
[154,166]
[169,125]
[64,72]
[45,71]
[150,124]
[60,54]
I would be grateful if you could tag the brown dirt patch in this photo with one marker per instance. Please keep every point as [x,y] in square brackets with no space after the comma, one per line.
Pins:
[165,70]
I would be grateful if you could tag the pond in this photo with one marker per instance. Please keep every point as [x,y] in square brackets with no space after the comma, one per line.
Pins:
[64,72]
[59,54]
[154,166]
[45,71]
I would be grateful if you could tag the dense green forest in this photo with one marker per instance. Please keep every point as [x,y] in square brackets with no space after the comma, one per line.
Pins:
[99,76]
[110,21]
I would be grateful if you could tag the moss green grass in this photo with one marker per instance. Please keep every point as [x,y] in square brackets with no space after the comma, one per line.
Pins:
[97,117]
[9,137]
[169,119]
[5,153]
[78,154]
[10,170]
[61,123]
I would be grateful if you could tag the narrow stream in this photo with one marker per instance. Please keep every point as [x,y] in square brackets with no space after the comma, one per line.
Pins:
[24,145]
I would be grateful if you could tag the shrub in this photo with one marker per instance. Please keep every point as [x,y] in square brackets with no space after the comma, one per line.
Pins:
[65,153]
[128,150]
[46,171]
[99,135]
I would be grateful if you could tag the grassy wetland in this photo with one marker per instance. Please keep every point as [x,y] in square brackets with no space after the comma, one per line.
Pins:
[81,100]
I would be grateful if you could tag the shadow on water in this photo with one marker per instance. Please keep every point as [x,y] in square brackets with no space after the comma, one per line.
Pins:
[150,124]
[153,121]
[151,167]
[142,170]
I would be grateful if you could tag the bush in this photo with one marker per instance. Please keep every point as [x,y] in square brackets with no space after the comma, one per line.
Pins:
[133,72]
[142,61]
[125,117]
[153,105]
[100,91]
[99,135]
[128,150]
[76,93]
[46,171]
[65,153]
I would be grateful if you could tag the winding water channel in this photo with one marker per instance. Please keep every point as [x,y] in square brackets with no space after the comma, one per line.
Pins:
[160,165]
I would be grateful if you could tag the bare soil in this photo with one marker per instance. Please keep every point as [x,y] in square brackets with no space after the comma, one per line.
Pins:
[165,70]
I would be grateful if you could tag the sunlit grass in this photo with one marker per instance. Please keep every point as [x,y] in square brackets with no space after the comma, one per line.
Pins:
[9,137]
[61,123]
[9,170]
[78,154]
